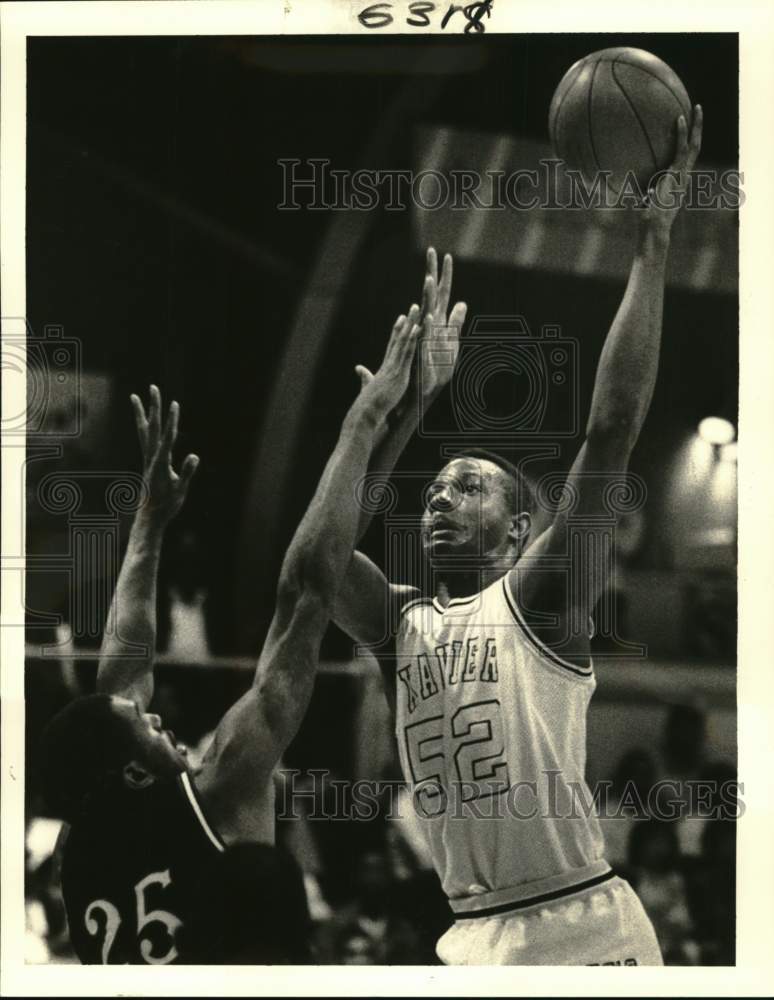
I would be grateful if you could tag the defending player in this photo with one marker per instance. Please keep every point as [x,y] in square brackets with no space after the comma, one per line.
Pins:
[145,824]
[491,709]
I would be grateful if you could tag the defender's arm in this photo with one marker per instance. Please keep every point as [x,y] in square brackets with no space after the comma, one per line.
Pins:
[257,729]
[367,601]
[128,645]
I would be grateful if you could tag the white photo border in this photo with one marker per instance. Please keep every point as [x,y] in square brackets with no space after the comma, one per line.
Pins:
[754,23]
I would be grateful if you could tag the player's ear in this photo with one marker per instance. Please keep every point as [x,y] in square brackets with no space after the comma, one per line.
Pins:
[136,777]
[519,530]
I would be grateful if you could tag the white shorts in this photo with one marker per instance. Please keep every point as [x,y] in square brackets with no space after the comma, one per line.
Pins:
[603,925]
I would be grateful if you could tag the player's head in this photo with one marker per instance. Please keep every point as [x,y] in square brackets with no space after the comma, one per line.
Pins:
[479,505]
[99,740]
[250,908]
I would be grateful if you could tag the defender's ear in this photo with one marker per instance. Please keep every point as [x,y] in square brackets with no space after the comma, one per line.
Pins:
[136,777]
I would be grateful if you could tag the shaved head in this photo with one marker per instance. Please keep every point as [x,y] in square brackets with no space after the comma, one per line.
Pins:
[519,490]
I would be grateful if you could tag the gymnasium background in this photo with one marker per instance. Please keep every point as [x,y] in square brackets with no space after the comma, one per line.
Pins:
[156,253]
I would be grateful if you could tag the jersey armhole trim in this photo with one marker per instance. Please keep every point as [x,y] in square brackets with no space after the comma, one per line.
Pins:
[413,603]
[455,602]
[436,604]
[539,646]
[190,791]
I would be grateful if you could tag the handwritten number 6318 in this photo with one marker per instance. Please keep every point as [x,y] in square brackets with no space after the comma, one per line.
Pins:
[378,15]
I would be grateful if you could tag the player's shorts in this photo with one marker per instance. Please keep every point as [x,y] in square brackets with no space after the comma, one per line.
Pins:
[602,925]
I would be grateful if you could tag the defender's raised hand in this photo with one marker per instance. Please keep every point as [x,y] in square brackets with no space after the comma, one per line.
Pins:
[666,198]
[166,489]
[385,390]
[440,344]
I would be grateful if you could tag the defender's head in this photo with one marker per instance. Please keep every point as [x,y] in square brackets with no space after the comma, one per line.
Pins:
[479,505]
[100,740]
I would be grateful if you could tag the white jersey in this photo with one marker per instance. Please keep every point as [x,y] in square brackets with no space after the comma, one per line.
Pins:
[491,729]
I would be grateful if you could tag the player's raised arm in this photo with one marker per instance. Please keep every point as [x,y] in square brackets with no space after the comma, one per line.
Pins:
[128,646]
[362,607]
[256,730]
[626,374]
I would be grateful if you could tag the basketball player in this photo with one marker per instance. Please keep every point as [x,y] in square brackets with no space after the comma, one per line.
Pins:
[145,825]
[492,677]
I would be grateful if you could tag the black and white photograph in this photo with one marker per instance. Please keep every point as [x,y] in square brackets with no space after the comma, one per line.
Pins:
[372,568]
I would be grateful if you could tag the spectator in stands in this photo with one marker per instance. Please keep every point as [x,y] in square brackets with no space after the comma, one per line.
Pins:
[684,741]
[359,929]
[655,872]
[182,600]
[685,760]
[712,893]
[626,802]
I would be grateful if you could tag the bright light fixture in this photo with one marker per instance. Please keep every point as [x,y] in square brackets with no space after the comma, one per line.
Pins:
[728,452]
[716,430]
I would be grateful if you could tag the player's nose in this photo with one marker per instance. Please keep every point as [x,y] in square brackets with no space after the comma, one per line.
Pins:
[441,498]
[155,720]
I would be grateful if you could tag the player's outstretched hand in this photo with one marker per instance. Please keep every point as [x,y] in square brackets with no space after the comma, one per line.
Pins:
[666,197]
[440,344]
[166,489]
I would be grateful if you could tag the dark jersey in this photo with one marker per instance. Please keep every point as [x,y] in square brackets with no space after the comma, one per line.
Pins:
[130,871]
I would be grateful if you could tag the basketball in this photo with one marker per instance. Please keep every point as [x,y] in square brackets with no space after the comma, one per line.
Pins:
[616,110]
